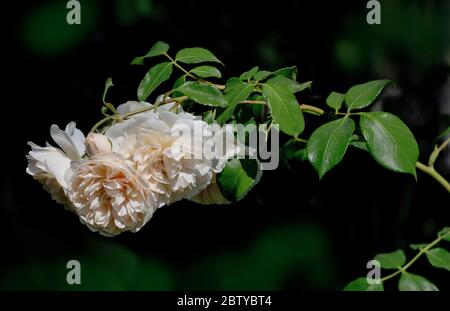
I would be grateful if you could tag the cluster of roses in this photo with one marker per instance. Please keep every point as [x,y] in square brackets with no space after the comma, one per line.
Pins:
[115,181]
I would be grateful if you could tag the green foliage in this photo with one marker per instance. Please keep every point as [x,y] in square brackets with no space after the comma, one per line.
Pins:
[284,108]
[390,141]
[203,93]
[235,92]
[196,55]
[238,178]
[414,282]
[206,72]
[445,233]
[392,260]
[153,78]
[361,284]
[439,258]
[362,95]
[335,100]
[248,75]
[327,145]
[159,48]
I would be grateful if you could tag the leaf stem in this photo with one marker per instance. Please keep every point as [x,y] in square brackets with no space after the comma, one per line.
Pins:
[436,151]
[414,259]
[312,109]
[179,67]
[433,173]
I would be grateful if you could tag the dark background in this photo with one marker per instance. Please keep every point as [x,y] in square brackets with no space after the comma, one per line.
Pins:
[290,232]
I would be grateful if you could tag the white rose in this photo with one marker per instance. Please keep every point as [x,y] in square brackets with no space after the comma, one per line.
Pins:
[108,195]
[48,164]
[174,167]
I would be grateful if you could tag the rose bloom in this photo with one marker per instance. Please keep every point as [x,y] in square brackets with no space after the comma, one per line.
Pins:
[174,166]
[108,195]
[49,164]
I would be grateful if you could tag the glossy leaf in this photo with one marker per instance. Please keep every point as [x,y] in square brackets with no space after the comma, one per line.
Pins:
[235,91]
[390,141]
[203,93]
[196,55]
[153,78]
[362,95]
[292,85]
[392,260]
[284,108]
[414,282]
[439,258]
[248,75]
[159,48]
[327,145]
[206,72]
[360,284]
[335,100]
[238,178]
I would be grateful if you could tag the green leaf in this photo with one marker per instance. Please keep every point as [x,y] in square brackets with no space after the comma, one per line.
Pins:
[327,145]
[335,100]
[246,76]
[196,55]
[418,246]
[292,85]
[414,282]
[159,48]
[108,84]
[390,141]
[362,95]
[139,60]
[238,178]
[153,78]
[284,108]
[439,258]
[289,72]
[203,93]
[178,82]
[358,142]
[206,72]
[261,75]
[235,91]
[445,233]
[360,284]
[391,260]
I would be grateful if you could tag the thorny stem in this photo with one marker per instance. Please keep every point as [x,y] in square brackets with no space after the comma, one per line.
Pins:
[414,259]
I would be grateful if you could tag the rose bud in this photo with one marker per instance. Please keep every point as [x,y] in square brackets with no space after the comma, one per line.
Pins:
[97,143]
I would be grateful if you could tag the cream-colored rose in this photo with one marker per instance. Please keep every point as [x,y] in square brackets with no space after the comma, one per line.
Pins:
[108,195]
[97,143]
[174,166]
[48,164]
